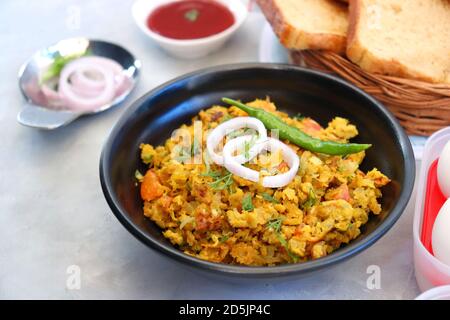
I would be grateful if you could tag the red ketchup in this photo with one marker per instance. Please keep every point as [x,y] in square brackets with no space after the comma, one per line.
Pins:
[434,200]
[190,19]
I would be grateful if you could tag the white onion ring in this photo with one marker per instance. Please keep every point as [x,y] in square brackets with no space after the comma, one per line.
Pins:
[276,181]
[291,158]
[216,136]
[74,100]
[234,166]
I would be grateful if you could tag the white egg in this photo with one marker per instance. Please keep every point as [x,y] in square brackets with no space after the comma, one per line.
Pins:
[441,234]
[443,171]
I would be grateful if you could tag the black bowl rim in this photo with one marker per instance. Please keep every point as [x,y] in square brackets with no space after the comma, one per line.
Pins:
[279,270]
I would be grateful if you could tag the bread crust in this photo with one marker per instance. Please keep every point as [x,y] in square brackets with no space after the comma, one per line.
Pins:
[296,39]
[369,62]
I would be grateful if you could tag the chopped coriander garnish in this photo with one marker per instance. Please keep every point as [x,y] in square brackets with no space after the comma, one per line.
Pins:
[247,150]
[284,243]
[209,172]
[311,201]
[183,155]
[212,174]
[224,238]
[138,175]
[192,15]
[275,226]
[222,182]
[247,203]
[269,198]
[58,64]
[238,133]
[226,117]
[207,160]
[195,148]
[248,145]
[299,116]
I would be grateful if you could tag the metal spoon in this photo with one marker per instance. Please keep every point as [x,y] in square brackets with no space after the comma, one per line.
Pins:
[36,112]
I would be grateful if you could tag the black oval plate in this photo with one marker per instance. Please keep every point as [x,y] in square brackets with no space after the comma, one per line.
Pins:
[153,117]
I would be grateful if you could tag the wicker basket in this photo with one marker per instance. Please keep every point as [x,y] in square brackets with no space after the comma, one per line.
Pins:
[422,108]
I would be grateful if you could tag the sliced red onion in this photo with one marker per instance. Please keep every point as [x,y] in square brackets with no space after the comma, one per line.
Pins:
[75,101]
[52,99]
[124,86]
[121,81]
[219,133]
[87,83]
[84,82]
[84,90]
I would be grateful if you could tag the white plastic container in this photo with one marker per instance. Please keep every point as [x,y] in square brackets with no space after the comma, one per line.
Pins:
[438,293]
[430,272]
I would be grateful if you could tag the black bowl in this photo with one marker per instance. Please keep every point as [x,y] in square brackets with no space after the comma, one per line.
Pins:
[153,117]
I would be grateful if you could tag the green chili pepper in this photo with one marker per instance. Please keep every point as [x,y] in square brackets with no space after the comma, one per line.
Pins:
[297,136]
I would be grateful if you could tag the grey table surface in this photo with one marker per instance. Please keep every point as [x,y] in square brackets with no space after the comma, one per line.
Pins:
[52,211]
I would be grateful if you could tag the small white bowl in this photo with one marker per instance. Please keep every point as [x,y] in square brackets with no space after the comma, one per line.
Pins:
[188,49]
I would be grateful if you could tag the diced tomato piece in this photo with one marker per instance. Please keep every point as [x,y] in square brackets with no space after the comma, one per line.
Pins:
[298,230]
[206,222]
[310,126]
[165,201]
[283,165]
[343,193]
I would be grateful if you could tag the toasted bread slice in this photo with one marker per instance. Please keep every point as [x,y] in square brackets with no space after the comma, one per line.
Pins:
[409,39]
[308,24]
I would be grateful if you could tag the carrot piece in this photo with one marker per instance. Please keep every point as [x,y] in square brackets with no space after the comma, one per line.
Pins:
[150,187]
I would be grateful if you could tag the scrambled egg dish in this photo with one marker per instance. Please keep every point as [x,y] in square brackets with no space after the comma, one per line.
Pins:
[211,214]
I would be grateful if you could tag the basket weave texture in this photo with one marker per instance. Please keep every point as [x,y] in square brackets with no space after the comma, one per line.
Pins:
[421,107]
